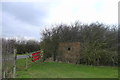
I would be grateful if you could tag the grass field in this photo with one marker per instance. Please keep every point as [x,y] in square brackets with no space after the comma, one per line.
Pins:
[63,70]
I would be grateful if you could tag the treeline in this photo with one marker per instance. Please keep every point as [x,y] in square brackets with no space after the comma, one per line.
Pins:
[98,42]
[22,46]
[27,46]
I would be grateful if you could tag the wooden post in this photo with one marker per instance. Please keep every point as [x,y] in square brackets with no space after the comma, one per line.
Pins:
[27,62]
[14,68]
[4,74]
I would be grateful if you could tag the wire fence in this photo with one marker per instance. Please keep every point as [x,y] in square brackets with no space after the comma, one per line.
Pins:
[8,58]
[25,63]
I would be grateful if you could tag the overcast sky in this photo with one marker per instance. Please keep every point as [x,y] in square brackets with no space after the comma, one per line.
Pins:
[28,19]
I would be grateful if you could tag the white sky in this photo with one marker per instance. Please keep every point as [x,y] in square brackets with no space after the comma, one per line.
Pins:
[29,18]
[87,11]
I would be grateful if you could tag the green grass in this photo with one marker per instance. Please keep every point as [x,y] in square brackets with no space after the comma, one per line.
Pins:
[63,70]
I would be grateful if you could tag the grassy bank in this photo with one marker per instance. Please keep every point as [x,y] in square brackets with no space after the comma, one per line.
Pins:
[63,70]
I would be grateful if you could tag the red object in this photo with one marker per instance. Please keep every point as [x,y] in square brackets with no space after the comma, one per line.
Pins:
[35,53]
[35,56]
[35,59]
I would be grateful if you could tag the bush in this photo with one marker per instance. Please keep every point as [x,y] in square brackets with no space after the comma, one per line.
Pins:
[98,42]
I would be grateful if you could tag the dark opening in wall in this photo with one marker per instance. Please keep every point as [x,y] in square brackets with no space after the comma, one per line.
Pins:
[68,49]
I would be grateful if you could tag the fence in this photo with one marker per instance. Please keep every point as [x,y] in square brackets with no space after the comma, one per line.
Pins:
[25,63]
[8,59]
